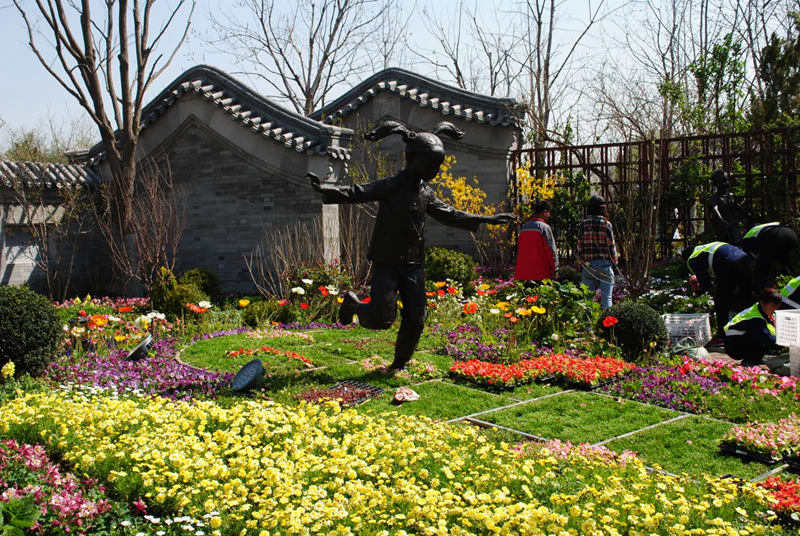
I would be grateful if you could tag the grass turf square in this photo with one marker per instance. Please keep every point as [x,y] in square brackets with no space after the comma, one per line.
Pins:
[579,417]
[690,445]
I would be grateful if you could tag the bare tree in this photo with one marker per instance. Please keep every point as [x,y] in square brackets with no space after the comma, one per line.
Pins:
[301,50]
[155,225]
[107,61]
[390,38]
[545,67]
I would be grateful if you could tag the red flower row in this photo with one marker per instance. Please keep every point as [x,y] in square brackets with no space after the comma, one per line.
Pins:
[786,494]
[269,350]
[586,372]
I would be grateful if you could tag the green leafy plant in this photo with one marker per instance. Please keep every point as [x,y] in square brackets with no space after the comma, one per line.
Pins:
[259,313]
[30,331]
[17,514]
[177,297]
[206,280]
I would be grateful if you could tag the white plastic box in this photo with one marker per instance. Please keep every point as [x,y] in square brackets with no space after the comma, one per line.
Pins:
[787,326]
[694,328]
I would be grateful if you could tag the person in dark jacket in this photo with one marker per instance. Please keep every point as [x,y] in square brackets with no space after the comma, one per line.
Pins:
[597,250]
[727,273]
[728,217]
[751,333]
[397,246]
[774,247]
[537,256]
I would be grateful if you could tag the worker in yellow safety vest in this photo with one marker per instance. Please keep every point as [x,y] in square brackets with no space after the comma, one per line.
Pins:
[791,294]
[751,333]
[727,273]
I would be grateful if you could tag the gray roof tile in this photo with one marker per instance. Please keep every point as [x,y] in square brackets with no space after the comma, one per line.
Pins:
[42,174]
[448,100]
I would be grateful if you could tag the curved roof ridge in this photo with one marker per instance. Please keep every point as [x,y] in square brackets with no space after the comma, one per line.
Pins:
[252,110]
[427,92]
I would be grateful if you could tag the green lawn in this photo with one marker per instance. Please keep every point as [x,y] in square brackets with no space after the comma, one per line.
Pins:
[579,417]
[688,445]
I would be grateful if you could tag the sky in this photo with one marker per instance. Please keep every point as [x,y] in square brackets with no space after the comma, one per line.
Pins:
[32,99]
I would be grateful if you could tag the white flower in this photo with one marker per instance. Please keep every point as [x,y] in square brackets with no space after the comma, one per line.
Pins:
[112,318]
[125,523]
[333,291]
[298,290]
[142,322]
[155,315]
[307,281]
[65,328]
[204,304]
[554,336]
[494,311]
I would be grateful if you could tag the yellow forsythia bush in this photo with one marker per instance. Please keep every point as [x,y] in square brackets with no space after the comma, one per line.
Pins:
[269,469]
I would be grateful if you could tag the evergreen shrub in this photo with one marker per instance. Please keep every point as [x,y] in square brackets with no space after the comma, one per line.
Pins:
[443,263]
[637,327]
[30,331]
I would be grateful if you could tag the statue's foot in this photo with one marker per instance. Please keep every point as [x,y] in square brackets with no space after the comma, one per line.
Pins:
[348,308]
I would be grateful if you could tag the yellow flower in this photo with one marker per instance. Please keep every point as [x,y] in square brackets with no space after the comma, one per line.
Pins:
[8,370]
[244,302]
[538,310]
[440,284]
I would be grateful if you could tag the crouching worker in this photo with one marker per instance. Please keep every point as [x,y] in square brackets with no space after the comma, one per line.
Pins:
[727,273]
[774,246]
[751,333]
[397,249]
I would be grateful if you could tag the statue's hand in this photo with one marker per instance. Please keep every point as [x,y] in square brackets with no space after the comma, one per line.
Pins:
[314,180]
[502,218]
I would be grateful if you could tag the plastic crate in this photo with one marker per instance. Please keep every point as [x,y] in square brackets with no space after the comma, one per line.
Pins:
[692,328]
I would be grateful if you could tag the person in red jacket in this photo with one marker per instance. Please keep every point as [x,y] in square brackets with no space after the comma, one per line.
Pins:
[537,256]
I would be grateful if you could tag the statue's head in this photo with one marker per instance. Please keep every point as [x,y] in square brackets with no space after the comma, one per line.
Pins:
[424,150]
[720,180]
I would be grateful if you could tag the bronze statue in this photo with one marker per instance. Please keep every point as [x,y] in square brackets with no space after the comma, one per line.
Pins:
[728,217]
[398,242]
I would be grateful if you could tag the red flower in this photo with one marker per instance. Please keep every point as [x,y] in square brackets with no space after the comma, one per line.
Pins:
[532,299]
[323,291]
[366,300]
[82,313]
[283,302]
[451,290]
[125,309]
[481,292]
[303,306]
[609,321]
[470,308]
[491,292]
[440,292]
[140,505]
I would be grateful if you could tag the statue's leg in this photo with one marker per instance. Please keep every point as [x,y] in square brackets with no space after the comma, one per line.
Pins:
[381,311]
[412,294]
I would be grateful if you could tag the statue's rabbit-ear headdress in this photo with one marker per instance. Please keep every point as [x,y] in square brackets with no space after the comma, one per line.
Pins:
[415,141]
[449,130]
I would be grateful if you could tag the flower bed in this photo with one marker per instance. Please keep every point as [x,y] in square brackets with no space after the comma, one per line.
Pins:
[317,470]
[577,372]
[774,440]
[738,394]
[673,387]
[346,393]
[159,375]
[466,342]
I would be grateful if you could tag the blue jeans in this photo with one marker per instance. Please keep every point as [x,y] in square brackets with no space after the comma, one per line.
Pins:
[599,274]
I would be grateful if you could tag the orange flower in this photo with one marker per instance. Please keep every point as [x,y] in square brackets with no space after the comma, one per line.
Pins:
[125,309]
[609,321]
[451,290]
[513,319]
[283,302]
[481,292]
[430,294]
[470,308]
